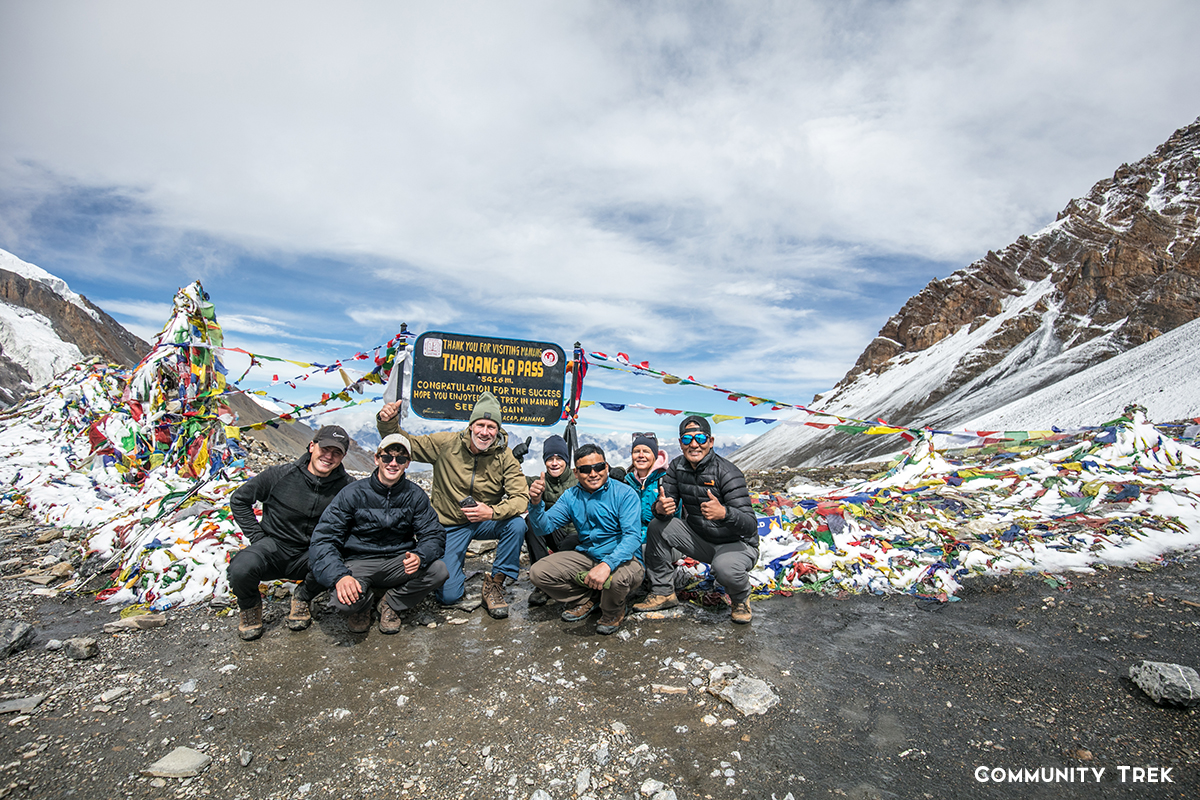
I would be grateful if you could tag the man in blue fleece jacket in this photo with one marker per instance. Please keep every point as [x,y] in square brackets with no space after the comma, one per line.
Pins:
[607,564]
[380,533]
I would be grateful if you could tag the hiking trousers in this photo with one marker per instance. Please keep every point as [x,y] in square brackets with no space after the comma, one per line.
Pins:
[731,562]
[403,591]
[267,560]
[555,575]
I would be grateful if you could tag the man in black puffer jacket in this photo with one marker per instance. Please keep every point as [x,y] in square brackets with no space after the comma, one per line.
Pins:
[718,526]
[293,497]
[380,533]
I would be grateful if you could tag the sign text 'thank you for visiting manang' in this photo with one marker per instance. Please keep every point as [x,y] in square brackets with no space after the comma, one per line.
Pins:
[451,370]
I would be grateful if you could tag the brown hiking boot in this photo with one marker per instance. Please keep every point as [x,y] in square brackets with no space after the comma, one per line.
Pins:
[359,621]
[741,611]
[493,596]
[580,610]
[250,624]
[608,625]
[657,602]
[301,616]
[389,620]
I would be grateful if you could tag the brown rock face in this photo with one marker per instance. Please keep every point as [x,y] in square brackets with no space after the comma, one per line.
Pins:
[100,336]
[1117,268]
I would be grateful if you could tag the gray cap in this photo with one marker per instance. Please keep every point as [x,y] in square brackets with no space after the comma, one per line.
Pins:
[393,439]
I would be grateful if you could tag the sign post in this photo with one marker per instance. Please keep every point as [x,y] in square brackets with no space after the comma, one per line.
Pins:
[451,370]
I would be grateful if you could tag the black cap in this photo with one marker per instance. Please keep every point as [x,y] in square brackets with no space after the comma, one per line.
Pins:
[695,420]
[333,436]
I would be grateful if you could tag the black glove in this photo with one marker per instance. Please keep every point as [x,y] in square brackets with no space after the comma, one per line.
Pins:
[521,449]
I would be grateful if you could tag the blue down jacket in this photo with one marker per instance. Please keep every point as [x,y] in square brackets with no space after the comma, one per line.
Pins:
[370,520]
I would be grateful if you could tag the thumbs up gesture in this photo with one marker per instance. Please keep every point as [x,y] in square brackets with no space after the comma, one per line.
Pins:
[537,488]
[666,505]
[712,509]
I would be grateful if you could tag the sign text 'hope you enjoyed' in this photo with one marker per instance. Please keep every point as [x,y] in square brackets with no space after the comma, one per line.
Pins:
[451,370]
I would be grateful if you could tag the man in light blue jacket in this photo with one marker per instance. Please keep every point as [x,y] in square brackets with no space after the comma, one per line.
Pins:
[607,564]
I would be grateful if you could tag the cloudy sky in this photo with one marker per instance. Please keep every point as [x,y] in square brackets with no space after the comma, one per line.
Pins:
[742,192]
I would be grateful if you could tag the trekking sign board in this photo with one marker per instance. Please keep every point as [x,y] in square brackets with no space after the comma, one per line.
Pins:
[451,370]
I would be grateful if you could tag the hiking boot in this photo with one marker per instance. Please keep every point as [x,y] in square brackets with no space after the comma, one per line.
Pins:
[741,611]
[493,596]
[359,621]
[301,615]
[250,624]
[389,620]
[657,602]
[609,624]
[538,598]
[579,611]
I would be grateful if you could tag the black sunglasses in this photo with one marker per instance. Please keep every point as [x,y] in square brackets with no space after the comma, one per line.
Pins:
[588,469]
[388,458]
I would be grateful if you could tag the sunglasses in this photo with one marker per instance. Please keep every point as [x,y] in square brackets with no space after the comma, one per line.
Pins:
[647,434]
[388,458]
[588,469]
[698,438]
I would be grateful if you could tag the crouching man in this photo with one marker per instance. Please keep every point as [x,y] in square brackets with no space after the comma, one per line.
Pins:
[293,497]
[379,534]
[606,564]
[479,492]
[718,526]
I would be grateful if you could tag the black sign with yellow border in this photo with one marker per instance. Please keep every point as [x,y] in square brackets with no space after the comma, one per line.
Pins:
[451,370]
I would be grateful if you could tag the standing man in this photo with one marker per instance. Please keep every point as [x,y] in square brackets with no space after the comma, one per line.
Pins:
[718,526]
[607,563]
[379,533]
[479,492]
[293,497]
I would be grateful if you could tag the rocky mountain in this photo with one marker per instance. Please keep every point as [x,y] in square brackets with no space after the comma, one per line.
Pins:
[45,328]
[1118,268]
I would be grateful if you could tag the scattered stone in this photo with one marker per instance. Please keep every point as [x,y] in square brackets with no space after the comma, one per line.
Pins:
[619,728]
[14,636]
[20,720]
[182,762]
[40,579]
[540,794]
[22,705]
[42,591]
[140,622]
[669,613]
[245,757]
[659,688]
[583,781]
[747,695]
[665,794]
[101,708]
[113,694]
[81,648]
[651,787]
[54,644]
[468,602]
[49,536]
[62,569]
[709,720]
[480,546]
[1167,684]
[188,686]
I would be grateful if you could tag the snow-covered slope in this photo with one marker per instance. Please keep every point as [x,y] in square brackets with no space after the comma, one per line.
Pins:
[1162,375]
[1117,269]
[45,327]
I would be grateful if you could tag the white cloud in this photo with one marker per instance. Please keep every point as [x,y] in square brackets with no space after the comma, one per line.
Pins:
[664,178]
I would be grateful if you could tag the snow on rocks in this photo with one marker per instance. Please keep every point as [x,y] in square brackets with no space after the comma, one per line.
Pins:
[1119,494]
[115,454]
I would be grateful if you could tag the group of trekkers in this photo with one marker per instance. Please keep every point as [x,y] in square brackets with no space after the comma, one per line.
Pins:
[595,534]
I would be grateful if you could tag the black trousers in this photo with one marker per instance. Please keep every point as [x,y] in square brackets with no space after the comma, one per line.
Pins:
[402,591]
[557,541]
[267,560]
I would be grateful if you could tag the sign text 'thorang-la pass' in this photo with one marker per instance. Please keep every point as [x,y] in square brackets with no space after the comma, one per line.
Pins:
[451,370]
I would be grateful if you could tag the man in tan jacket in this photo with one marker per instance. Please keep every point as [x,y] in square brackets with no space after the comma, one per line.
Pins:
[479,492]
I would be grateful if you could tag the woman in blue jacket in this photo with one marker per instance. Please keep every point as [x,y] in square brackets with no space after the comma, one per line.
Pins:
[648,467]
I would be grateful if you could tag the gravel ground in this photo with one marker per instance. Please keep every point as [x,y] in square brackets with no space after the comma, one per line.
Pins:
[879,697]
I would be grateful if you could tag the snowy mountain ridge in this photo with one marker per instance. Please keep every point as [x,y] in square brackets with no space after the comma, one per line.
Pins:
[1118,268]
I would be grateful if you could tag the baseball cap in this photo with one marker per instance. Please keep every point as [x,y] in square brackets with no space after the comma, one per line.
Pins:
[393,439]
[333,436]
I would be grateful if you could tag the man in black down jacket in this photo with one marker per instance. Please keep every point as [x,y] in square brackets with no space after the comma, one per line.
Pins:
[718,526]
[293,497]
[380,533]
